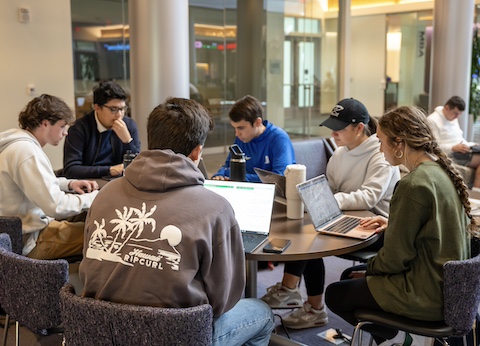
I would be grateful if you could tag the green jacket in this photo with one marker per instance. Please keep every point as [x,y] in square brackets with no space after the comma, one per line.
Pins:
[427,227]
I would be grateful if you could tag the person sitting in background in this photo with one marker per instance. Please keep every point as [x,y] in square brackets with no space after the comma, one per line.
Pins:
[265,145]
[30,189]
[158,237]
[361,179]
[444,124]
[97,142]
[427,226]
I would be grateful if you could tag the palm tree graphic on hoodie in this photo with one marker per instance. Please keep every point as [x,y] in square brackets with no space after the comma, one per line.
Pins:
[123,243]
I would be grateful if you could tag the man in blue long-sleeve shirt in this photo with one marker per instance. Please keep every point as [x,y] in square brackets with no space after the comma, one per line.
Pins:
[265,145]
[96,143]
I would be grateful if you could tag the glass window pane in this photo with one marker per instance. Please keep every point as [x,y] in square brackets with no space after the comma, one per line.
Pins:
[213,63]
[287,73]
[100,47]
[289,25]
[305,72]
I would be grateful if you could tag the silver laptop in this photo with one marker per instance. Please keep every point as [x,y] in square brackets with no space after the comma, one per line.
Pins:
[252,204]
[203,168]
[279,180]
[325,213]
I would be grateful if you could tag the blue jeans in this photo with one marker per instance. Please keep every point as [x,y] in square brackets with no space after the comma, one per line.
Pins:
[249,322]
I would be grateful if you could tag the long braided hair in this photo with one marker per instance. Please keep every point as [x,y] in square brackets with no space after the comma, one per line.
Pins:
[410,124]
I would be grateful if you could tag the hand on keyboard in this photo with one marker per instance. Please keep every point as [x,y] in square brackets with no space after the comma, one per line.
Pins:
[380,222]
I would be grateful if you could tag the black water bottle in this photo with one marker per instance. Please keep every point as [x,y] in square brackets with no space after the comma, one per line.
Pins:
[128,158]
[238,170]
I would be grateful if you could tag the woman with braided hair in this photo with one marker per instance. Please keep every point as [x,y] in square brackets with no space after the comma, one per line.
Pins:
[429,224]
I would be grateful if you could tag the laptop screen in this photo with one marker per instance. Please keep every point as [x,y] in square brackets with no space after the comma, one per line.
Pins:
[252,202]
[319,200]
[272,178]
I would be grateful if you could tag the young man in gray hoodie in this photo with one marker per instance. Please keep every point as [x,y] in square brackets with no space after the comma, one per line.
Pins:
[157,237]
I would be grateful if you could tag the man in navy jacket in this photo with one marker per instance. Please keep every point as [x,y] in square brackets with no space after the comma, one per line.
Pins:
[96,143]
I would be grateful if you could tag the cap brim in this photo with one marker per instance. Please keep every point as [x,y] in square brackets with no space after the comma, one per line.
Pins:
[334,124]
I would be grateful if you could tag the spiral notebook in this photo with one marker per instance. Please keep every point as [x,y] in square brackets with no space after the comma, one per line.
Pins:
[325,213]
[253,206]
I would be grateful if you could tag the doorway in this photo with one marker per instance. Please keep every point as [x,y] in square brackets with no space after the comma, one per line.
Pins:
[301,85]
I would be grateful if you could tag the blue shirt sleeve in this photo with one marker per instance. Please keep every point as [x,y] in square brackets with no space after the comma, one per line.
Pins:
[282,154]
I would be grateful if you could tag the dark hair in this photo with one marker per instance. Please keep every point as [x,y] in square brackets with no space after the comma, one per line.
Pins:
[410,125]
[247,108]
[44,107]
[369,128]
[178,124]
[106,91]
[456,102]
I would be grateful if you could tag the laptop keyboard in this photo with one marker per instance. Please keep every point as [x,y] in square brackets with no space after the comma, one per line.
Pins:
[343,225]
[249,237]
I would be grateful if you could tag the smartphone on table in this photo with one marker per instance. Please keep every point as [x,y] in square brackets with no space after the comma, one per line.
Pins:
[276,245]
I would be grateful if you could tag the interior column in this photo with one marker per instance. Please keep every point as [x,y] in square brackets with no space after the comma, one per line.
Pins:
[159,56]
[451,54]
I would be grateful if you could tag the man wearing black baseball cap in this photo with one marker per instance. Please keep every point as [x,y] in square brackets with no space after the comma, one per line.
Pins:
[346,112]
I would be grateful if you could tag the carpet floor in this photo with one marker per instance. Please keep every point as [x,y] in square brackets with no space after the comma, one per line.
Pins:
[334,266]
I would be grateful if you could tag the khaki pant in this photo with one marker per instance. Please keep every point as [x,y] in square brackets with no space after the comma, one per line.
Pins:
[59,239]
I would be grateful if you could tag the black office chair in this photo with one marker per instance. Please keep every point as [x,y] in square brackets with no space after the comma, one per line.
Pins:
[461,291]
[361,256]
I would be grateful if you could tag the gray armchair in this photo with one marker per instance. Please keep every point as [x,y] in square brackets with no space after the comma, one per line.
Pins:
[461,291]
[314,154]
[30,291]
[12,225]
[88,321]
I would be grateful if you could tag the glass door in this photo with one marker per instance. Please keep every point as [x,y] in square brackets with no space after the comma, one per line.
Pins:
[301,85]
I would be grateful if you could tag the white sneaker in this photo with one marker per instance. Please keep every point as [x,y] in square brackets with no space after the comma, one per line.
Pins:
[281,297]
[306,317]
[407,339]
[417,340]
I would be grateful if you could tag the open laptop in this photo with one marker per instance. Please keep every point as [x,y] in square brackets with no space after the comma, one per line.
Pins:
[252,203]
[203,168]
[325,213]
[279,180]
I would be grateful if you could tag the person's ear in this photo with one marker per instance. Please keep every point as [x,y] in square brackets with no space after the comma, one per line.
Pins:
[360,128]
[398,143]
[258,122]
[196,154]
[96,107]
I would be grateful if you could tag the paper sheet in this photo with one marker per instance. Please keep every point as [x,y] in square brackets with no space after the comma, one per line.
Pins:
[329,336]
